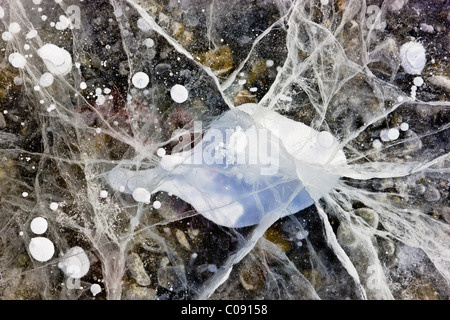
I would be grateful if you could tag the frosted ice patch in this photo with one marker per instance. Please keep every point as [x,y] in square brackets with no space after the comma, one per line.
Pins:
[179,93]
[75,263]
[140,80]
[413,58]
[17,60]
[39,225]
[41,249]
[46,79]
[57,60]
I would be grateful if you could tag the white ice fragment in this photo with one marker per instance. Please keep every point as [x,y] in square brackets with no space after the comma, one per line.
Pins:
[143,25]
[161,152]
[156,204]
[140,80]
[17,60]
[41,249]
[57,60]
[75,263]
[179,93]
[413,58]
[269,63]
[149,42]
[418,81]
[46,79]
[324,2]
[7,36]
[83,85]
[39,225]
[95,289]
[24,194]
[14,27]
[404,126]
[325,139]
[103,194]
[2,13]
[141,195]
[54,206]
[31,34]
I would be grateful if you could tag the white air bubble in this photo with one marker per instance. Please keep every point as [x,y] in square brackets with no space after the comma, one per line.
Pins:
[7,36]
[149,43]
[83,85]
[140,80]
[141,195]
[31,34]
[161,152]
[46,79]
[156,204]
[393,134]
[143,25]
[95,289]
[325,139]
[57,60]
[179,93]
[418,81]
[54,206]
[14,27]
[75,263]
[39,225]
[413,59]
[377,144]
[41,249]
[17,60]
[404,126]
[103,194]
